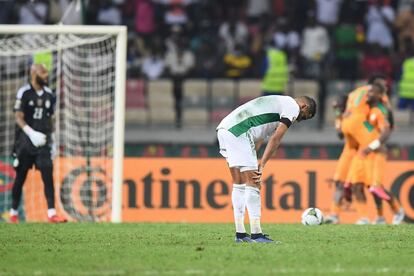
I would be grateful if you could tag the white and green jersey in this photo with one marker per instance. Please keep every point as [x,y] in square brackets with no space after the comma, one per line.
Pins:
[260,117]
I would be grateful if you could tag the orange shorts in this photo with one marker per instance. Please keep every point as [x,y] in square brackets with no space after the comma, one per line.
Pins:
[359,137]
[361,170]
[344,163]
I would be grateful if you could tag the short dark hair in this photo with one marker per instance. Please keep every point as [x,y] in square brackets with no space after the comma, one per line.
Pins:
[375,77]
[380,87]
[312,106]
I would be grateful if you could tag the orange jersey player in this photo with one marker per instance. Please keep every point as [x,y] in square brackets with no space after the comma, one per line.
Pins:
[368,133]
[343,164]
[356,110]
[355,104]
[359,134]
[378,120]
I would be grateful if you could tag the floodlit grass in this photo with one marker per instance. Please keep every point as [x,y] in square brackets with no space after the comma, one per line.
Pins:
[203,249]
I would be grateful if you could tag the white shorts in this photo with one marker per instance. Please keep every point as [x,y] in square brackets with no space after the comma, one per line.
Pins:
[240,152]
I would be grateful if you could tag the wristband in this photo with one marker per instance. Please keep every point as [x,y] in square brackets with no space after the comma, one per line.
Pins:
[374,144]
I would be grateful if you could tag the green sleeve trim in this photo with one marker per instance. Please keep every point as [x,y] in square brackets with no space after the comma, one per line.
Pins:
[368,126]
[254,121]
[383,109]
[358,100]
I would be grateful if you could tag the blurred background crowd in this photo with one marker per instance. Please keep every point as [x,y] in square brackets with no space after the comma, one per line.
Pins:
[331,39]
[335,44]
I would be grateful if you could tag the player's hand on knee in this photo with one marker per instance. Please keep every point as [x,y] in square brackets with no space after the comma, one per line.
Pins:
[257,177]
[37,138]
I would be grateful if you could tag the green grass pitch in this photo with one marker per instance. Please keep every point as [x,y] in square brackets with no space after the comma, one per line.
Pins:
[203,249]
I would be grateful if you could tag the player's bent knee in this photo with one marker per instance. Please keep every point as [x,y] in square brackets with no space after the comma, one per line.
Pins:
[250,181]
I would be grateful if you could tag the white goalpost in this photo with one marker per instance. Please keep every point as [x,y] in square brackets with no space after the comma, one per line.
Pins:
[87,71]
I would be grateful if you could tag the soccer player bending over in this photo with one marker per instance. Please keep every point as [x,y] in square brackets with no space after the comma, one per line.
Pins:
[239,134]
[34,110]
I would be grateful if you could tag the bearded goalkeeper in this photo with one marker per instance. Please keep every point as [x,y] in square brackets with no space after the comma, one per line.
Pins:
[34,109]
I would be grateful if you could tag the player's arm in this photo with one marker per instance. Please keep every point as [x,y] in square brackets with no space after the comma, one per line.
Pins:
[274,142]
[19,117]
[384,126]
[390,115]
[258,145]
[37,138]
[385,132]
[385,100]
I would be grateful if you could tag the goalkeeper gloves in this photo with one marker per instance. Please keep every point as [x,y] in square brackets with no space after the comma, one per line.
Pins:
[37,138]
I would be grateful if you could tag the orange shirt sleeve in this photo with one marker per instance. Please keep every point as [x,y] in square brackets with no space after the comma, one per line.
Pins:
[378,119]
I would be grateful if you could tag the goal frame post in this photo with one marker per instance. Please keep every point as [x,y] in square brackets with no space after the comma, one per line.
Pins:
[119,106]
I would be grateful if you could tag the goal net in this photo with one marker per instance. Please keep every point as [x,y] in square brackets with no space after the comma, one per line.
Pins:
[87,74]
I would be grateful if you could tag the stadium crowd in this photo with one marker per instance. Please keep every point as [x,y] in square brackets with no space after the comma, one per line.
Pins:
[228,38]
[319,39]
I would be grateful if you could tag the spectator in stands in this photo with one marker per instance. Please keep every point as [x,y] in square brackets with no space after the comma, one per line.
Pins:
[66,12]
[275,71]
[176,34]
[153,65]
[406,85]
[134,54]
[233,32]
[379,19]
[327,12]
[345,43]
[376,60]
[285,37]
[34,13]
[109,13]
[237,63]
[288,39]
[179,63]
[258,33]
[405,26]
[144,17]
[176,15]
[315,46]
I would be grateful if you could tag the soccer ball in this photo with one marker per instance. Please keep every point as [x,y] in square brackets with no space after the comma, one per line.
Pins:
[312,216]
